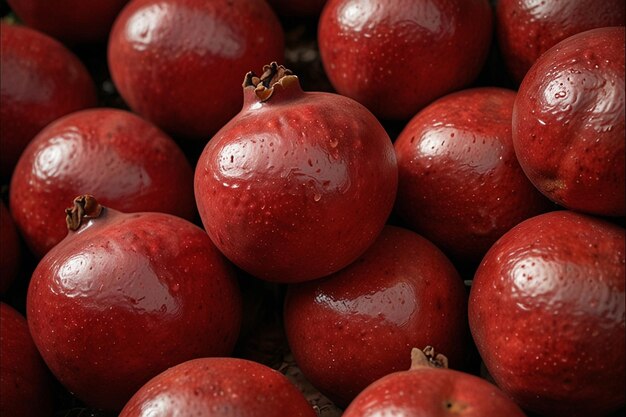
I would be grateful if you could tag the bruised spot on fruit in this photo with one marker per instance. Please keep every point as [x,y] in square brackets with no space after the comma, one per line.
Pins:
[455,407]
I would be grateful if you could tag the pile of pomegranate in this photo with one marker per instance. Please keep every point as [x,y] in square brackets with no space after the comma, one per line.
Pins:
[316,208]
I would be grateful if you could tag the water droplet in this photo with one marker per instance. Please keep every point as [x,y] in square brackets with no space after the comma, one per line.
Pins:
[317,197]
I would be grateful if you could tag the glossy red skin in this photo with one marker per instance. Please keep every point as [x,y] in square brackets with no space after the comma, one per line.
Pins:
[71,21]
[352,328]
[25,382]
[126,297]
[432,392]
[180,63]
[527,28]
[297,187]
[568,123]
[41,80]
[219,387]
[397,56]
[10,251]
[546,311]
[460,184]
[126,161]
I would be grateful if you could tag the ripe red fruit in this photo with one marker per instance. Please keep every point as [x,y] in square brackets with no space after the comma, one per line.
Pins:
[71,21]
[131,165]
[459,184]
[354,327]
[41,81]
[25,382]
[526,28]
[124,297]
[219,387]
[178,62]
[10,251]
[428,388]
[547,310]
[395,57]
[568,123]
[297,185]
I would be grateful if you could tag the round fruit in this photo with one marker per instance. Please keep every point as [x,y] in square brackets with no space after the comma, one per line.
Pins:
[547,312]
[395,57]
[460,185]
[125,296]
[129,163]
[41,80]
[568,123]
[10,251]
[364,320]
[179,62]
[219,387]
[25,382]
[526,29]
[297,185]
[428,388]
[72,21]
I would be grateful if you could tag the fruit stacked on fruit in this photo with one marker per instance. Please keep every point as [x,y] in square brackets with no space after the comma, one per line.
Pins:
[177,241]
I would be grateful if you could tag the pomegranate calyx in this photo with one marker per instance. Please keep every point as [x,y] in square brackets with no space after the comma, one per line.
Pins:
[85,207]
[427,358]
[264,85]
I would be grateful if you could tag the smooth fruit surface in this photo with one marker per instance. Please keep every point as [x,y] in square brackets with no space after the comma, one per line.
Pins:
[359,324]
[129,163]
[41,80]
[546,311]
[179,63]
[219,387]
[396,56]
[568,123]
[460,185]
[10,251]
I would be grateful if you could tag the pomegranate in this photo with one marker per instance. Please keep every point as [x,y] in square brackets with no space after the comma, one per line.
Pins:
[428,388]
[359,324]
[125,296]
[178,62]
[41,80]
[395,57]
[460,185]
[297,185]
[131,165]
[219,387]
[10,251]
[546,311]
[568,123]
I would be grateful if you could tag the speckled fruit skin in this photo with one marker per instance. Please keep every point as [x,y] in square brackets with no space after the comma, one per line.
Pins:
[10,251]
[70,21]
[546,311]
[460,184]
[41,80]
[352,328]
[296,187]
[568,123]
[127,296]
[179,62]
[527,28]
[432,392]
[126,161]
[396,56]
[219,387]
[25,382]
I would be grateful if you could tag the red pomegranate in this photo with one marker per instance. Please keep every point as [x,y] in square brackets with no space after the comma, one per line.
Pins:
[179,62]
[219,387]
[10,251]
[129,163]
[527,28]
[546,311]
[125,296]
[359,324]
[460,184]
[41,80]
[568,123]
[297,185]
[395,57]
